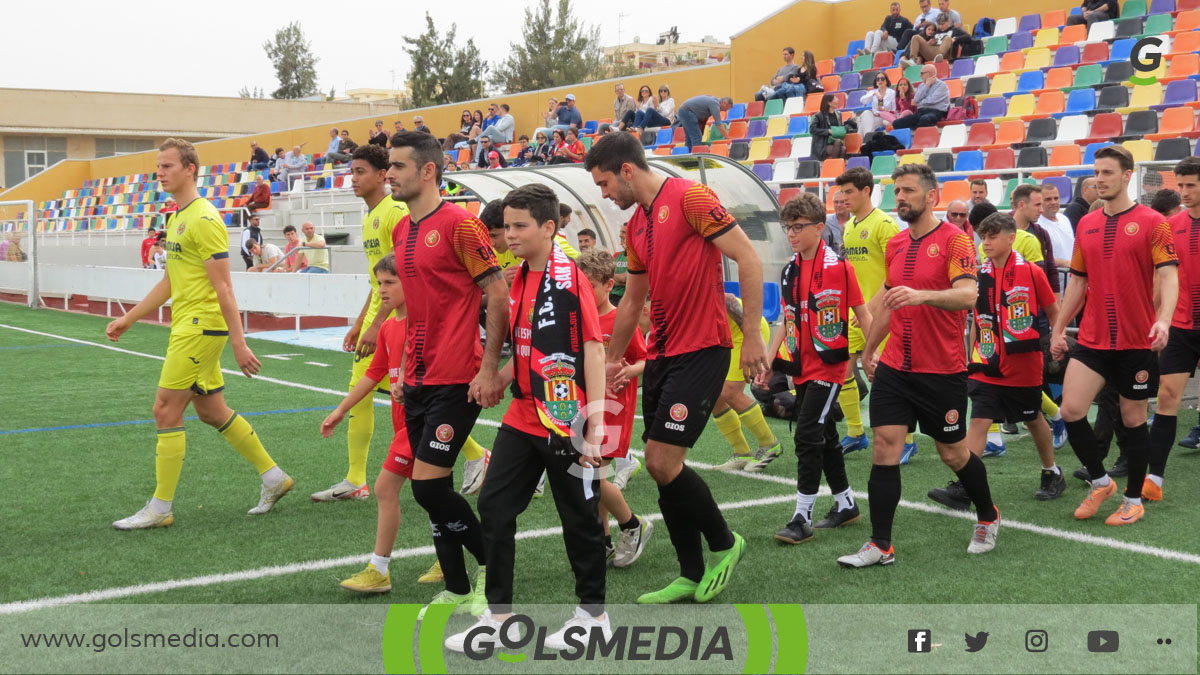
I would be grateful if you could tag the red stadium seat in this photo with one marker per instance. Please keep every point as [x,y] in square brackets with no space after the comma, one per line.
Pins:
[780,148]
[1000,158]
[755,109]
[1106,126]
[1094,52]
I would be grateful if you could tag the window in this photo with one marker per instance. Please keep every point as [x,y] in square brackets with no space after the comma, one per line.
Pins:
[107,147]
[26,156]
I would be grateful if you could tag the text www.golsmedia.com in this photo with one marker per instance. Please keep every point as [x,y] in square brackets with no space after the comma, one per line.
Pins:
[197,638]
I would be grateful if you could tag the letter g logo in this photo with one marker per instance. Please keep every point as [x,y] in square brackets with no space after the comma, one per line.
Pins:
[1146,57]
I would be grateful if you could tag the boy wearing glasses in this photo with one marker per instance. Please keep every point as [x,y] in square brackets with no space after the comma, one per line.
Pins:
[819,290]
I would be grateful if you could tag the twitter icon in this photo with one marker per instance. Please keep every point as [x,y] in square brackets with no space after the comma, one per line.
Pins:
[975,642]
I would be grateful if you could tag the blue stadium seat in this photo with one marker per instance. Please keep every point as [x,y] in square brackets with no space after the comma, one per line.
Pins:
[993,107]
[733,287]
[1030,22]
[771,296]
[855,45]
[961,68]
[904,136]
[680,150]
[1089,152]
[1030,81]
[1064,187]
[969,160]
[589,127]
[1081,100]
[798,125]
[665,136]
[737,112]
[1121,49]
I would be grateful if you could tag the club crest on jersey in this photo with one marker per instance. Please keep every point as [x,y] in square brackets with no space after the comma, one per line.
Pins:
[933,250]
[663,213]
[181,228]
[829,318]
[862,234]
[375,225]
[445,433]
[1142,376]
[1019,316]
[952,417]
[679,412]
[1131,229]
[987,338]
[562,394]
[432,238]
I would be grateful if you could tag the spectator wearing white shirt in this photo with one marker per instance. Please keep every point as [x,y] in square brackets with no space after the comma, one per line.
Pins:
[1062,235]
[882,99]
[264,255]
[928,15]
[502,131]
[294,164]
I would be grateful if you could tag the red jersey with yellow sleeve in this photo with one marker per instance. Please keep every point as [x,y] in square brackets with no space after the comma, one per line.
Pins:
[926,339]
[1185,230]
[672,242]
[1124,249]
[441,259]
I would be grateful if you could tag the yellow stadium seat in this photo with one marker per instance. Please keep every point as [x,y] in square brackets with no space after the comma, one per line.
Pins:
[913,158]
[759,149]
[1021,105]
[777,126]
[1039,57]
[1003,83]
[1045,37]
[1142,150]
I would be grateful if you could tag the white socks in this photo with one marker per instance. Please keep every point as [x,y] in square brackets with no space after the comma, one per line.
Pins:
[995,437]
[1053,467]
[804,506]
[1157,480]
[159,506]
[1102,481]
[380,563]
[272,475]
[844,499]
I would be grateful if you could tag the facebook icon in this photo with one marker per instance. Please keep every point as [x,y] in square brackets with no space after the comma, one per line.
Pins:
[919,641]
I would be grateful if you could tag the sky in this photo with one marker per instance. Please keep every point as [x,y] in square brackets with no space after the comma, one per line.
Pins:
[215,48]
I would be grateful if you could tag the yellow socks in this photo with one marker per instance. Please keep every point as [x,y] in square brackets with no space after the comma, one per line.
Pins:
[359,429]
[848,400]
[908,438]
[752,418]
[241,436]
[730,426]
[472,450]
[994,429]
[1049,407]
[168,462]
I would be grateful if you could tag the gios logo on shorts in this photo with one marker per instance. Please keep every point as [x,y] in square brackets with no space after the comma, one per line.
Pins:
[951,420]
[444,434]
[1140,379]
[679,413]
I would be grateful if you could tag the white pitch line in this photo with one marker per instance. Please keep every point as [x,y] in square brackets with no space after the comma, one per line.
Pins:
[294,568]
[315,363]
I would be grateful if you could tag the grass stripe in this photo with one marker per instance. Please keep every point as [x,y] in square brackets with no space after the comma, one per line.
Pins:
[293,568]
[98,425]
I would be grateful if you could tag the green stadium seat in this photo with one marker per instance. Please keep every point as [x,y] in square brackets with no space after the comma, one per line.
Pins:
[1133,8]
[773,107]
[883,165]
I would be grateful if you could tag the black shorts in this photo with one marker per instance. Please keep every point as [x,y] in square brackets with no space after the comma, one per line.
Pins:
[938,401]
[1181,353]
[1003,404]
[1133,372]
[679,392]
[439,419]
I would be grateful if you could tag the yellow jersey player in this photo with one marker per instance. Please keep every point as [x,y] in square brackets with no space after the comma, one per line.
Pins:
[204,316]
[865,239]
[734,408]
[368,169]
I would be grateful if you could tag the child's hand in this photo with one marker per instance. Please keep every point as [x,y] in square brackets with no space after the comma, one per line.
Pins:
[331,422]
[398,392]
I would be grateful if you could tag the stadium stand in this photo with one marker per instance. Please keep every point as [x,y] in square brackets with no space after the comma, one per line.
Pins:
[1049,95]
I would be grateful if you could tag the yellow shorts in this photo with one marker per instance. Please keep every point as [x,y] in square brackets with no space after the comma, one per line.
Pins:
[362,364]
[735,357]
[194,362]
[858,341]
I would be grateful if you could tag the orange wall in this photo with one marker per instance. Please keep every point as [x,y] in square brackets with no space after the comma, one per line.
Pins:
[756,51]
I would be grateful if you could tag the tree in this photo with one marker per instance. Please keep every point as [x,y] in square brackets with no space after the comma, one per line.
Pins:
[247,92]
[442,72]
[555,50]
[294,63]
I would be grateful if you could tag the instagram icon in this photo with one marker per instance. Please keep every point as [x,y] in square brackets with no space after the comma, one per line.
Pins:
[1036,641]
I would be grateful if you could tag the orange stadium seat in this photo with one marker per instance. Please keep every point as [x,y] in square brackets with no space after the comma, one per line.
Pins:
[812,104]
[1065,155]
[1049,103]
[853,143]
[952,190]
[1072,34]
[832,168]
[1177,121]
[1009,132]
[1059,78]
[1012,61]
[1187,21]
[720,148]
[1183,65]
[1054,18]
[1184,43]
[824,67]
[831,83]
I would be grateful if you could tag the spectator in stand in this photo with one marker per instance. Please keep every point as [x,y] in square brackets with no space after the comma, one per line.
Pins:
[941,47]
[781,77]
[485,148]
[493,116]
[835,223]
[549,118]
[448,162]
[147,244]
[251,234]
[587,240]
[1167,202]
[623,106]
[317,259]
[397,126]
[525,154]
[661,112]
[571,150]
[261,197]
[904,99]
[277,165]
[292,262]
[263,255]
[14,253]
[419,125]
[543,149]
[928,15]
[493,160]
[979,191]
[335,144]
[346,147]
[891,31]
[957,212]
[882,99]
[500,130]
[697,111]
[827,130]
[932,101]
[464,131]
[1085,194]
[294,164]
[796,83]
[1095,10]
[377,135]
[1062,236]
[645,101]
[568,115]
[259,159]
[955,17]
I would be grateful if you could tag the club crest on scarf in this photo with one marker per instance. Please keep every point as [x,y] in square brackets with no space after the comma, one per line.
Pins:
[1019,316]
[562,393]
[987,337]
[829,320]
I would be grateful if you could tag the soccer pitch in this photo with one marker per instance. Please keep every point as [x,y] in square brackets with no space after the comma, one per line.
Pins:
[78,446]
